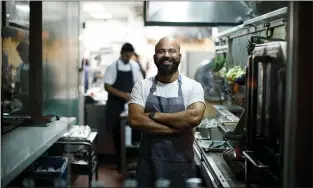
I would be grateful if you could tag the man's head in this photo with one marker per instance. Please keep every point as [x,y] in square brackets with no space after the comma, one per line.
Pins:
[127,52]
[23,50]
[167,56]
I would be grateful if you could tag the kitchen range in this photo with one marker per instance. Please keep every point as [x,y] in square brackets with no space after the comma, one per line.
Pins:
[243,145]
[213,152]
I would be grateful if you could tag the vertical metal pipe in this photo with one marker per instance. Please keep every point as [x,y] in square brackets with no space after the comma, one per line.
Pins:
[35,58]
[298,122]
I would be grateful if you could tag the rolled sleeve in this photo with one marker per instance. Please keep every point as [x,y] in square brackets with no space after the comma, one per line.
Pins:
[136,96]
[110,75]
[196,94]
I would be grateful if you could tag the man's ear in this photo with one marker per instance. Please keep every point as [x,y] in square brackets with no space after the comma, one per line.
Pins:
[154,58]
[179,57]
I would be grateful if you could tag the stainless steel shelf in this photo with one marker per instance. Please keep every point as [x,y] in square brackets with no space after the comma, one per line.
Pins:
[23,145]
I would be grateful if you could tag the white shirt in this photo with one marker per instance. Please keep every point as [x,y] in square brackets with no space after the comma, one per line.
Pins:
[111,72]
[191,89]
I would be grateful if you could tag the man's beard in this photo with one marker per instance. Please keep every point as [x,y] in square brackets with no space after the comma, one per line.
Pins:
[167,69]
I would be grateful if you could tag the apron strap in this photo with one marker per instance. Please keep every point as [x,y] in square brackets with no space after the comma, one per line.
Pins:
[180,92]
[131,69]
[153,87]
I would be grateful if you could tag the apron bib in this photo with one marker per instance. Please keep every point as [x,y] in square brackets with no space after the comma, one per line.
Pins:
[169,157]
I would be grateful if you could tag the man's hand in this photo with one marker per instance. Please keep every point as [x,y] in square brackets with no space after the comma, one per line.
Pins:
[187,119]
[126,96]
[116,92]
[140,121]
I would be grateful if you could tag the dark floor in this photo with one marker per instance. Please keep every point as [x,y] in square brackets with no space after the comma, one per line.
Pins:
[107,174]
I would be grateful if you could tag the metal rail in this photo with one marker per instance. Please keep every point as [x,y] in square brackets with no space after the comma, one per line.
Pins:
[276,18]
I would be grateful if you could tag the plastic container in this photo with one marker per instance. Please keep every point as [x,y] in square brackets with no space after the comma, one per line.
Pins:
[49,171]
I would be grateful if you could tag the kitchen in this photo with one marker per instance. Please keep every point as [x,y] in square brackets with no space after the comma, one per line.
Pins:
[262,130]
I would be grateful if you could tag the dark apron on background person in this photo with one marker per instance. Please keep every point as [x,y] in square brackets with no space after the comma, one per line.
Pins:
[115,106]
[170,157]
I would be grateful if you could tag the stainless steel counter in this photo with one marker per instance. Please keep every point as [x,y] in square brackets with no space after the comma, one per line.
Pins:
[214,170]
[23,145]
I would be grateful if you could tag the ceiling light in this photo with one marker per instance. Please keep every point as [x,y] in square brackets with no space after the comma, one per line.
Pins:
[24,8]
[101,15]
[93,7]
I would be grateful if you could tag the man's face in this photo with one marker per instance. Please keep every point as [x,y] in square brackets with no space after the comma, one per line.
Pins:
[126,56]
[167,58]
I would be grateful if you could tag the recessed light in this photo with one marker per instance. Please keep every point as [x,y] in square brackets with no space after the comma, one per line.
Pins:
[93,7]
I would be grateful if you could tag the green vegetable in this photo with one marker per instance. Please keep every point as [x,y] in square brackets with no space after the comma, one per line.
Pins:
[219,62]
[234,73]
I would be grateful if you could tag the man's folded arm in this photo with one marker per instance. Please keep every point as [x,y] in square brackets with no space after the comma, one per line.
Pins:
[140,121]
[189,118]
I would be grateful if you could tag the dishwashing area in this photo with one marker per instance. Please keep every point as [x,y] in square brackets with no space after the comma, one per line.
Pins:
[216,146]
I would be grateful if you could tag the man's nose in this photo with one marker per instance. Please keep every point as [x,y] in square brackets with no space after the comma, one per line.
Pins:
[166,54]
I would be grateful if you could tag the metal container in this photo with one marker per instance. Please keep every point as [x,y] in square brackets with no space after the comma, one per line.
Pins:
[224,115]
[208,130]
[214,145]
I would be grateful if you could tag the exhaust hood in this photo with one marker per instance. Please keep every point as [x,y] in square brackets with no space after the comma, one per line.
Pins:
[205,13]
[190,13]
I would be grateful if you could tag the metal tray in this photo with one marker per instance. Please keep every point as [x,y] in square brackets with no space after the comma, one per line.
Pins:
[214,145]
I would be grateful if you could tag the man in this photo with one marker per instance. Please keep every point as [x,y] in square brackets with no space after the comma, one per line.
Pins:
[166,108]
[119,79]
[98,69]
[22,77]
[22,74]
[86,68]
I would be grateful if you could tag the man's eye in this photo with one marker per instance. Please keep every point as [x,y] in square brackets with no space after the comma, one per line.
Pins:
[161,52]
[172,51]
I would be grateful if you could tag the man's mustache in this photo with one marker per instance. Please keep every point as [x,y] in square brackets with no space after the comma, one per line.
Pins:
[162,60]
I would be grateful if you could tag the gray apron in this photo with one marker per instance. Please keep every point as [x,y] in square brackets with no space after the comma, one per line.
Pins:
[169,157]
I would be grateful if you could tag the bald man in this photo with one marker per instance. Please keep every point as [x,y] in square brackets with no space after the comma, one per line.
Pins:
[166,108]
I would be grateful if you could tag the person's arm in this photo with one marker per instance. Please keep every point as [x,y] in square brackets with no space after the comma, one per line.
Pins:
[138,120]
[116,92]
[109,79]
[189,118]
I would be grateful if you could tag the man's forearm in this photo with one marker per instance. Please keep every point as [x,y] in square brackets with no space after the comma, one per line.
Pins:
[144,124]
[114,91]
[181,120]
